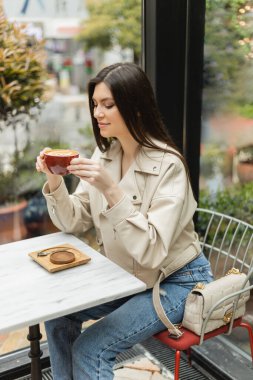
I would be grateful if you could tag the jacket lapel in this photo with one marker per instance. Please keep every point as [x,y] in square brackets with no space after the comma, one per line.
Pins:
[112,161]
[148,161]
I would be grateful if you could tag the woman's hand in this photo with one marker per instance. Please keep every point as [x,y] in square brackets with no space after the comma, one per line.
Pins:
[41,166]
[95,174]
[91,172]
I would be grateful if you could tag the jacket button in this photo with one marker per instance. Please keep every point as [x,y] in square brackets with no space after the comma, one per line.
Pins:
[134,197]
[154,168]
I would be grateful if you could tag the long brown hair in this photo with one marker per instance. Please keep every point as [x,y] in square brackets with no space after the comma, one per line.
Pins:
[135,100]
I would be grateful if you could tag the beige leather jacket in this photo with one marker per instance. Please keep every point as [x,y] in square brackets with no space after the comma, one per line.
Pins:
[149,228]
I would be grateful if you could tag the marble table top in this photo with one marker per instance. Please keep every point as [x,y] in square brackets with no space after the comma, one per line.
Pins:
[29,294]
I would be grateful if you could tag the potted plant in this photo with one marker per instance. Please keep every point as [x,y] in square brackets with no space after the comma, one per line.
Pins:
[245,163]
[23,90]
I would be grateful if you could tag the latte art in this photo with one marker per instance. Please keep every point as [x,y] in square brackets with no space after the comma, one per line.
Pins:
[62,152]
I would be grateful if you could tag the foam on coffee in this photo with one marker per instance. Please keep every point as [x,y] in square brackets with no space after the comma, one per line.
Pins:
[61,152]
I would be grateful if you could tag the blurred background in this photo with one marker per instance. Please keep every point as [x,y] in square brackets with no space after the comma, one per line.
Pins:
[49,49]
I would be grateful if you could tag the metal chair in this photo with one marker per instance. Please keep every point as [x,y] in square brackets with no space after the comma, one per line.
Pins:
[228,243]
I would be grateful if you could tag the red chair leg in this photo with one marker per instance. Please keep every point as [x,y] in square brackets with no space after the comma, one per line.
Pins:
[177,364]
[188,351]
[250,331]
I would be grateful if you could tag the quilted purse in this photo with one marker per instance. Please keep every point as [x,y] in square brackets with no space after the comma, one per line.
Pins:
[202,304]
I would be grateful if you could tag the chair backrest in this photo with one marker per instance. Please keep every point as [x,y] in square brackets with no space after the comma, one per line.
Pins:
[226,241]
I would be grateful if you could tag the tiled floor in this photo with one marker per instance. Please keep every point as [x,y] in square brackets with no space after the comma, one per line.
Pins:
[143,367]
[138,374]
[140,369]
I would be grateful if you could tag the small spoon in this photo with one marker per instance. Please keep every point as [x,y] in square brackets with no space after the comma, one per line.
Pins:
[44,253]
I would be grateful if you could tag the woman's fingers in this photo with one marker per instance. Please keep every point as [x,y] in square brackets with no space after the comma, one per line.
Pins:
[40,162]
[83,164]
[90,171]
[81,167]
[43,151]
[40,166]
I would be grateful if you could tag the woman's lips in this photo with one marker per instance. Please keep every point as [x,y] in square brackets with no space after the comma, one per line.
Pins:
[102,125]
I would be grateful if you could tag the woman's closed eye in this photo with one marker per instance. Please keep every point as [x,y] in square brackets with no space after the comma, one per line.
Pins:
[107,106]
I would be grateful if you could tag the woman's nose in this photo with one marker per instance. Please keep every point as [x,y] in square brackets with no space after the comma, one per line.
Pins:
[98,112]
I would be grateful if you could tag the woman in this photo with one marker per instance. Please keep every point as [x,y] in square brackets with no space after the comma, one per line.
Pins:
[135,191]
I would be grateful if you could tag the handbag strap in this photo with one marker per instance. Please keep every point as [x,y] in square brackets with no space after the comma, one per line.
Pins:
[173,330]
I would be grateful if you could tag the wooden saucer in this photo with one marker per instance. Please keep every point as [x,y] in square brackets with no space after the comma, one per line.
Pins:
[63,257]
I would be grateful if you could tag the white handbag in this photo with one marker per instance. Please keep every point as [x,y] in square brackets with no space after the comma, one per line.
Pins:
[203,307]
[203,302]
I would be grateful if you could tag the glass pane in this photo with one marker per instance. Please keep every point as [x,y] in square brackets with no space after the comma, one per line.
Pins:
[59,118]
[226,178]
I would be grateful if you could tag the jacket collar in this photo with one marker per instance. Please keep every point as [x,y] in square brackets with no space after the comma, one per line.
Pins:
[148,160]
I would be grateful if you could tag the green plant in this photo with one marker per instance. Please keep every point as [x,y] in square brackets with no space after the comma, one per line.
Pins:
[23,73]
[113,23]
[211,159]
[235,201]
[22,93]
[215,159]
[245,110]
[89,143]
[245,154]
[227,56]
[19,178]
[7,188]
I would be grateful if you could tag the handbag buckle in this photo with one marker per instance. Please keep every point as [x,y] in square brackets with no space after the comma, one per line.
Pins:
[227,317]
[233,271]
[175,336]
[199,285]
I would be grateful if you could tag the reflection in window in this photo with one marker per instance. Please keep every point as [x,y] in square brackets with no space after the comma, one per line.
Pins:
[226,179]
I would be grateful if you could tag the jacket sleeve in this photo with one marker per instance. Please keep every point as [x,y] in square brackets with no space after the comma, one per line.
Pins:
[148,237]
[69,213]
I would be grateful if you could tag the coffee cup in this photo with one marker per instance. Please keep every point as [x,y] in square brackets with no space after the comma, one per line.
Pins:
[57,160]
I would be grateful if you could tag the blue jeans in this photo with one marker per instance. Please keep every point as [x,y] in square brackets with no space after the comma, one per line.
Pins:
[90,355]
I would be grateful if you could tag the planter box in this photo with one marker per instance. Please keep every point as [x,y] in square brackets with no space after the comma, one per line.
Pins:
[12,227]
[245,172]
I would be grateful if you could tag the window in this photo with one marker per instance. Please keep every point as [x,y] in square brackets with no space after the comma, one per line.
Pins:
[226,177]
